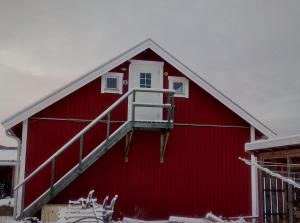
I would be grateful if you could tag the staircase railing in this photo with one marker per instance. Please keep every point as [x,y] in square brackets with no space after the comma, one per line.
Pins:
[80,135]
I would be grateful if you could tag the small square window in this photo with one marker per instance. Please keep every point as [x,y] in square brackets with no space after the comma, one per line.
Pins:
[112,82]
[180,85]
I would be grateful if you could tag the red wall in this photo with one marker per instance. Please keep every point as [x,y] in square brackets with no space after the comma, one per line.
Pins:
[201,172]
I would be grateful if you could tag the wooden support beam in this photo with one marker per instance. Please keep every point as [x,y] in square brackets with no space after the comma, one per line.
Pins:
[163,144]
[127,145]
[280,154]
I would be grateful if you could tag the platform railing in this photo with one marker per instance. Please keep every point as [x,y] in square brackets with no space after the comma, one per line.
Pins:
[106,114]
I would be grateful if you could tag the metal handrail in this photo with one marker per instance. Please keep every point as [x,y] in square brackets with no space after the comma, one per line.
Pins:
[80,134]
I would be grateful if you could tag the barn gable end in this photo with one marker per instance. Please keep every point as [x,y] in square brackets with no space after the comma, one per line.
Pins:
[209,134]
[59,94]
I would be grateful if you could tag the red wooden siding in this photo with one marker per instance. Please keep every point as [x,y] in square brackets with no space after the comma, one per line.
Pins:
[201,172]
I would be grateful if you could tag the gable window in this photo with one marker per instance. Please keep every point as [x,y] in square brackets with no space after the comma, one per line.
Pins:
[145,80]
[180,85]
[112,82]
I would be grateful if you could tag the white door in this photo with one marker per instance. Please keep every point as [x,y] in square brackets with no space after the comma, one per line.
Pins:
[146,75]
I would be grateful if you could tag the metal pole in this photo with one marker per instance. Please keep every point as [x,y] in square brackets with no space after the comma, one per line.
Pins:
[80,150]
[52,175]
[169,109]
[172,102]
[133,108]
[107,127]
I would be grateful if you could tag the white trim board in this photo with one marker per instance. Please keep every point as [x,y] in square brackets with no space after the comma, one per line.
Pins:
[254,179]
[293,140]
[19,199]
[148,43]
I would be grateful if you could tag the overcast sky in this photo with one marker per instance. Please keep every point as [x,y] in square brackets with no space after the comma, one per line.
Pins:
[249,50]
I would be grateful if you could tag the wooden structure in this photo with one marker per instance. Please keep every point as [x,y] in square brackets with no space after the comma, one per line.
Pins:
[280,202]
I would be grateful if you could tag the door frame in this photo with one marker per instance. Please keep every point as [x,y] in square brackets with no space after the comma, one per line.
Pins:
[131,71]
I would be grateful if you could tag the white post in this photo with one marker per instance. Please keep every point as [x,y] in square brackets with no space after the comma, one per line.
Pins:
[254,179]
[19,195]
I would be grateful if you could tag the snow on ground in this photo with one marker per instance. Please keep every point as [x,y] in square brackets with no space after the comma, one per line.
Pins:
[132,220]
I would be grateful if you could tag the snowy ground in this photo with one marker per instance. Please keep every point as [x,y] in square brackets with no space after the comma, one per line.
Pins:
[71,213]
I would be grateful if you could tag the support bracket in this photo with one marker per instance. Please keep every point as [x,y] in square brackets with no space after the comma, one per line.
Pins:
[128,140]
[164,137]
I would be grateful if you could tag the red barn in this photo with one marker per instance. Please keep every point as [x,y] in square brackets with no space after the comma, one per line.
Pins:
[143,126]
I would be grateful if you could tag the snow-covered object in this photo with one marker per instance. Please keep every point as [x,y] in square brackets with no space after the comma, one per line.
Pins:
[7,202]
[214,218]
[132,220]
[76,212]
[175,219]
[10,219]
[87,210]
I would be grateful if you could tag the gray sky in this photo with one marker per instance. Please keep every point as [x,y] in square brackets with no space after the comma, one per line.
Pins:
[249,50]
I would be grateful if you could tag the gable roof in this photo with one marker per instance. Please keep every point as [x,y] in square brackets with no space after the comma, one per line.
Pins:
[148,43]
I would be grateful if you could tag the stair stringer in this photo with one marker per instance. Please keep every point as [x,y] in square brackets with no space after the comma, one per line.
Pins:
[72,174]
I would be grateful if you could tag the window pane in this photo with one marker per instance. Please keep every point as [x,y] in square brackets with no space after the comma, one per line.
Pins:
[148,75]
[178,87]
[112,83]
[148,83]
[142,83]
[142,75]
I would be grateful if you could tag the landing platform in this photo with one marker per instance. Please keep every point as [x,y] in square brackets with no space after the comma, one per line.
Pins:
[152,125]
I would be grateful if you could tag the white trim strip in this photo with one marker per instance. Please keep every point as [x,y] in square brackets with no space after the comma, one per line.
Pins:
[254,179]
[20,195]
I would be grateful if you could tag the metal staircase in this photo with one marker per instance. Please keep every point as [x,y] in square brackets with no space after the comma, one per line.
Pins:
[126,129]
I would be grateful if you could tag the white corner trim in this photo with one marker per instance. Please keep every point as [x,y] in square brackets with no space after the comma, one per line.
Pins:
[118,76]
[184,81]
[20,195]
[254,180]
[148,43]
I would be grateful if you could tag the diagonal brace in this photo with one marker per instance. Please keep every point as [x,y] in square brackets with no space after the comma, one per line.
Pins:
[164,137]
[128,140]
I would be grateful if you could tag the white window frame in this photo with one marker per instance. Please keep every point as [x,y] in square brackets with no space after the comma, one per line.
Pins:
[185,84]
[118,76]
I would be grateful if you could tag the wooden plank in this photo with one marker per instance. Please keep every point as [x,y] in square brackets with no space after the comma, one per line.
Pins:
[49,212]
[279,154]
